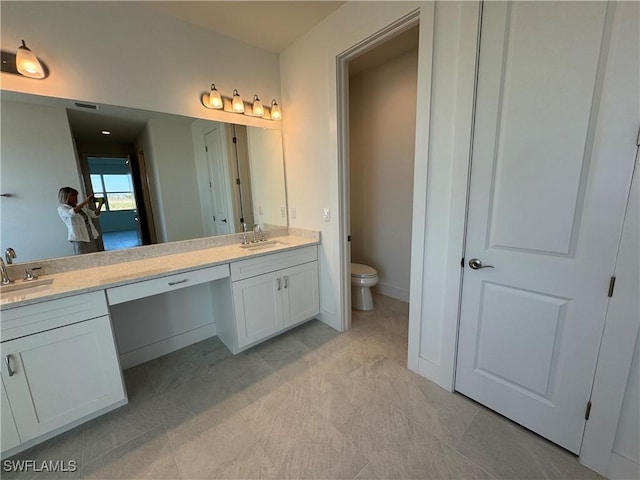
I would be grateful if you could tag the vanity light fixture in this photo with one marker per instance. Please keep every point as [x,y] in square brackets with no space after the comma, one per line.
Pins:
[275,110]
[27,63]
[23,62]
[258,109]
[237,105]
[215,100]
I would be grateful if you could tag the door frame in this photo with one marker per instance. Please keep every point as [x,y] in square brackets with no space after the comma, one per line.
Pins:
[342,129]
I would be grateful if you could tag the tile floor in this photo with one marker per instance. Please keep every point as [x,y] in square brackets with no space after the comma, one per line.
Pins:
[311,403]
[120,240]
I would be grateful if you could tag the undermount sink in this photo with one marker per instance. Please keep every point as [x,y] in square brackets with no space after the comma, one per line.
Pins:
[264,245]
[25,288]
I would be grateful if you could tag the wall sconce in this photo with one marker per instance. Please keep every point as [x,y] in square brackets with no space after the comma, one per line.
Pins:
[258,109]
[23,62]
[275,110]
[235,104]
[215,100]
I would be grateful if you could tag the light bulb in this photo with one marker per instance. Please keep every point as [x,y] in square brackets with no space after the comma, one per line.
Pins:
[258,109]
[27,63]
[275,110]
[215,100]
[237,105]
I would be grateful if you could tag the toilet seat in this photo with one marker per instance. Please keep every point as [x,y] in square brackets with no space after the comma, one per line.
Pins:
[362,271]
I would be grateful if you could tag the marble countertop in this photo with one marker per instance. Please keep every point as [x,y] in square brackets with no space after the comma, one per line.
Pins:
[101,277]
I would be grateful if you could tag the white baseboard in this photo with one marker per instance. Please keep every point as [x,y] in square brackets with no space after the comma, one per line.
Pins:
[168,345]
[391,291]
[623,468]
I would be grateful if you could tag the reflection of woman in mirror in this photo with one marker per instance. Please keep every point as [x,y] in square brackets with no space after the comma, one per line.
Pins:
[76,216]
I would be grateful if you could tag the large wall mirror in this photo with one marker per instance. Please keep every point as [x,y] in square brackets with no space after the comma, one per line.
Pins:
[164,177]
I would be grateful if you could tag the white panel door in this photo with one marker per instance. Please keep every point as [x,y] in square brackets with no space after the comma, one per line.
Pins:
[218,185]
[10,437]
[553,152]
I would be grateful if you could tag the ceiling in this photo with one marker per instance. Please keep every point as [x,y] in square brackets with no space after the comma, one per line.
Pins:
[272,26]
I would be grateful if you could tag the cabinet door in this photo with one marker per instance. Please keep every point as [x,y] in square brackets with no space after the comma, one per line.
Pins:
[56,377]
[301,300]
[10,436]
[258,307]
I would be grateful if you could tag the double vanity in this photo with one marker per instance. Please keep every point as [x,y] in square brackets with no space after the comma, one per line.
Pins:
[67,335]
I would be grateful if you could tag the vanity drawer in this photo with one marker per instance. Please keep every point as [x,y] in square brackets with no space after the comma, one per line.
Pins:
[30,319]
[146,288]
[269,263]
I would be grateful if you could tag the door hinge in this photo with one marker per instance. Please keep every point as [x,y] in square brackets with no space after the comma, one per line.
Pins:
[612,285]
[235,140]
[348,238]
[462,263]
[206,149]
[588,412]
[237,181]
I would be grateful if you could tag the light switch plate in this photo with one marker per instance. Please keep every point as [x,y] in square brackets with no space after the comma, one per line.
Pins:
[326,214]
[293,212]
[283,212]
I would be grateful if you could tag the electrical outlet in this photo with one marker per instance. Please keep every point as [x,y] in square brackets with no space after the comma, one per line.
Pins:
[326,214]
[293,212]
[283,212]
[259,209]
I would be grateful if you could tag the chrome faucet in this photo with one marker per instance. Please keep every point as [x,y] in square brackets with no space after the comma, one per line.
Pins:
[244,234]
[10,254]
[4,273]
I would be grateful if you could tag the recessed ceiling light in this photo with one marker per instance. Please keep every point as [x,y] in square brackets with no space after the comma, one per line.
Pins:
[106,132]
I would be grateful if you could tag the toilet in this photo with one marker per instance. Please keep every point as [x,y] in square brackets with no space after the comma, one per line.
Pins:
[363,278]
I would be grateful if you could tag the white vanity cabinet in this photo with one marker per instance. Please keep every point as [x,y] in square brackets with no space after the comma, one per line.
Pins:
[59,366]
[270,294]
[10,437]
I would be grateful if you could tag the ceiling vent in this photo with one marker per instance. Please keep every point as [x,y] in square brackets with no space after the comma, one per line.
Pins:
[89,106]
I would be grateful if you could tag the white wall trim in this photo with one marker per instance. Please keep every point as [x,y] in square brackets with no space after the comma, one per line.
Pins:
[436,284]
[392,291]
[623,313]
[419,220]
[622,468]
[616,350]
[168,345]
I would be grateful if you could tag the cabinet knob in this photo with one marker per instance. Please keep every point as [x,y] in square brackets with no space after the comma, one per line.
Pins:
[7,360]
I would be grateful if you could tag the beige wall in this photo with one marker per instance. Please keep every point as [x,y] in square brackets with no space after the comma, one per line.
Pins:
[36,159]
[382,118]
[170,160]
[127,54]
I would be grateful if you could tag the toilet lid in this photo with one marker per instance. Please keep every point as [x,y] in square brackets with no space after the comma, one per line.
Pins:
[359,270]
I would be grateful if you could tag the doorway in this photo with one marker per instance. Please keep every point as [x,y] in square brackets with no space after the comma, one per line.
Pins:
[111,178]
[365,163]
[546,202]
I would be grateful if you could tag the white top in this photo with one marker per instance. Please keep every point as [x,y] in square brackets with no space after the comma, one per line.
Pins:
[359,270]
[75,223]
